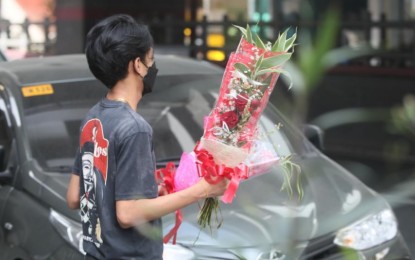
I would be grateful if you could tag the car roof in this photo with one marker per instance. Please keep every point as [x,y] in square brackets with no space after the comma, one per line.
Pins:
[74,67]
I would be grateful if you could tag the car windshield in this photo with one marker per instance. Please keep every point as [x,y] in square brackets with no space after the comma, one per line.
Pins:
[175,110]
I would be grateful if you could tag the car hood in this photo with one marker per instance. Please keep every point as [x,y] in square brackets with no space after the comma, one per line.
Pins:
[261,214]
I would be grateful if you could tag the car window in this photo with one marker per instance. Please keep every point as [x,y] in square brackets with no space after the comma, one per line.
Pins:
[53,122]
[176,115]
[175,110]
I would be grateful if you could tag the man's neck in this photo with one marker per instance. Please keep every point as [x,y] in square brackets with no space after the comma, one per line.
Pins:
[126,90]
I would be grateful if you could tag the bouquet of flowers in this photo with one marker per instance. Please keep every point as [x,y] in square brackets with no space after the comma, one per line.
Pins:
[229,147]
[250,76]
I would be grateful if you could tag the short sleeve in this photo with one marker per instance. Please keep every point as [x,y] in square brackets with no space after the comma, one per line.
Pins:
[135,166]
[76,169]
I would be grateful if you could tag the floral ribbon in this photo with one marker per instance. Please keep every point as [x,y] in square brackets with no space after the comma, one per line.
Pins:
[166,176]
[208,169]
[213,173]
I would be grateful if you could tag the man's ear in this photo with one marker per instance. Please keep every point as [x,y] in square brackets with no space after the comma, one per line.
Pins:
[136,65]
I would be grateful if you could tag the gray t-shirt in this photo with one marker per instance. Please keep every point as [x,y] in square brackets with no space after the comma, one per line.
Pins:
[116,161]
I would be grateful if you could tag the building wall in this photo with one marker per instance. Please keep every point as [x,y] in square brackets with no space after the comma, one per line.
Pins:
[70,26]
[76,17]
[155,12]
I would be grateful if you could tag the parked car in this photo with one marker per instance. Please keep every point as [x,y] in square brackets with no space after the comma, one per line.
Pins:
[42,103]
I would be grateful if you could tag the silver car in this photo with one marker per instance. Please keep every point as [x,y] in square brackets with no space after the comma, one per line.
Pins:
[42,103]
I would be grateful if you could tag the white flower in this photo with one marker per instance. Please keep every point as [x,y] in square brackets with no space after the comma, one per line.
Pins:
[218,131]
[268,46]
[233,93]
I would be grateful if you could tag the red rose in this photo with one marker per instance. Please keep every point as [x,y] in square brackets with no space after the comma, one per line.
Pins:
[230,118]
[241,102]
[255,104]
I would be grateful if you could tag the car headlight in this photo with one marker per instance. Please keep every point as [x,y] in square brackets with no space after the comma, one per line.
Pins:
[70,230]
[177,252]
[369,232]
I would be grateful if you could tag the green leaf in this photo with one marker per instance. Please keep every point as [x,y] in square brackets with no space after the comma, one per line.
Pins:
[258,63]
[243,30]
[265,71]
[242,68]
[288,75]
[265,82]
[277,60]
[258,42]
[281,71]
[281,45]
[248,34]
[290,42]
[277,42]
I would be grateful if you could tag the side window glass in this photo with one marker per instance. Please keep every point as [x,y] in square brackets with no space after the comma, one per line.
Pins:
[5,136]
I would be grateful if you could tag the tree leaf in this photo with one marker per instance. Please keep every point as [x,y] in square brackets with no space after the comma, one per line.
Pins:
[277,60]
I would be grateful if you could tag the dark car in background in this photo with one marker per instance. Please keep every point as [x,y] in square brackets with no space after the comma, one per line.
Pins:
[42,103]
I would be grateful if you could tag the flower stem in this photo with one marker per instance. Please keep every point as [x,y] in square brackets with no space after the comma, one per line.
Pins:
[210,209]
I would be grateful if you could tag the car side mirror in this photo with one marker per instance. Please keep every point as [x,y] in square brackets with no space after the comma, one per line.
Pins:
[315,135]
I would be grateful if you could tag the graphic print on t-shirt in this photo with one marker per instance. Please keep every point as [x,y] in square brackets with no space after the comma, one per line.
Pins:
[93,132]
[94,155]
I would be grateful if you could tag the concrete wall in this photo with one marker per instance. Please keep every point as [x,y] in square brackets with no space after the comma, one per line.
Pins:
[76,17]
[70,26]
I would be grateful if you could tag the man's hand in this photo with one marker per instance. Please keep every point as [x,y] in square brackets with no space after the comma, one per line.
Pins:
[72,195]
[162,190]
[214,190]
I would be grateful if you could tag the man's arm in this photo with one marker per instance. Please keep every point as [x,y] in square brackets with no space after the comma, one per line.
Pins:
[131,213]
[72,195]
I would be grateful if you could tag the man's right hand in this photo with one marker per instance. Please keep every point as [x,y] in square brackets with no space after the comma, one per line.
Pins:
[214,190]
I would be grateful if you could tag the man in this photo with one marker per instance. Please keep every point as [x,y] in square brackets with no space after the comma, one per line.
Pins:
[127,210]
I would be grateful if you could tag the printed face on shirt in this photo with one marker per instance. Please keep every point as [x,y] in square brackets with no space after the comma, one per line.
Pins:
[87,169]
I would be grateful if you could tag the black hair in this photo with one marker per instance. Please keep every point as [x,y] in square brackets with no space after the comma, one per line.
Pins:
[112,44]
[88,147]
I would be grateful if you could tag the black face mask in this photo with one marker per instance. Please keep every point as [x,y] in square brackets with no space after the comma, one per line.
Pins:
[149,79]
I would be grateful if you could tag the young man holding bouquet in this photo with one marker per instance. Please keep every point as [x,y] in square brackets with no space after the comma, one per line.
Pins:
[125,200]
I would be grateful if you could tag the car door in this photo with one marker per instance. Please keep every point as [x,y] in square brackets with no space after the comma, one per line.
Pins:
[7,144]
[24,215]
[8,168]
